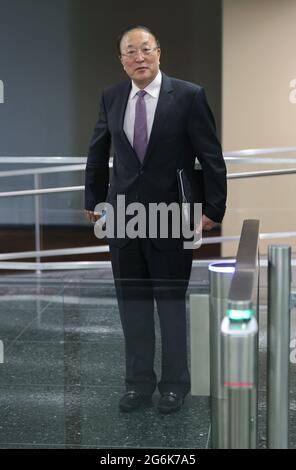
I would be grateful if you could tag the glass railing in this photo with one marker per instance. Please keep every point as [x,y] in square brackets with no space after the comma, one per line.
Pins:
[62,368]
[28,206]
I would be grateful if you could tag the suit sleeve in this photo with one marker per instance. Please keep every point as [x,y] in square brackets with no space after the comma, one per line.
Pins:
[97,166]
[202,133]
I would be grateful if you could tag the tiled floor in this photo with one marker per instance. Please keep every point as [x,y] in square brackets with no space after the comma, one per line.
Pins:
[63,370]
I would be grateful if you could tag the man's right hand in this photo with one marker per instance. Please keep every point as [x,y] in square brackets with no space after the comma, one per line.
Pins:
[92,216]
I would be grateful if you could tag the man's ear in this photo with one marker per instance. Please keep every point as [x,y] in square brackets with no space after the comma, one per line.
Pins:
[120,59]
[159,53]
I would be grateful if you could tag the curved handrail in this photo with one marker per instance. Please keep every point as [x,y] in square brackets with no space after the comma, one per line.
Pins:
[258,151]
[105,248]
[82,159]
[36,192]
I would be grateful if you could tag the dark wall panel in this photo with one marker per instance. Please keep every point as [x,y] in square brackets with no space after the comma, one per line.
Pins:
[55,58]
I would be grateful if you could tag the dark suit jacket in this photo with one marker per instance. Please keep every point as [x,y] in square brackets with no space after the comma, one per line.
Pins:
[183,128]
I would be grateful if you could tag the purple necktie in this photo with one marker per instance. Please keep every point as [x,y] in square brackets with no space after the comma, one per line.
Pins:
[140,129]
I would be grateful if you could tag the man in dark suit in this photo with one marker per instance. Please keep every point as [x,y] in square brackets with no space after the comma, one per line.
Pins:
[154,122]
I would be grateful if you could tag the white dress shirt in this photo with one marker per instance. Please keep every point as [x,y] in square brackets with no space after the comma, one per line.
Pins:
[151,100]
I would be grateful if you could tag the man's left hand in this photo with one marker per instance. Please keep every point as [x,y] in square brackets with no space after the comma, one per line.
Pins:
[205,224]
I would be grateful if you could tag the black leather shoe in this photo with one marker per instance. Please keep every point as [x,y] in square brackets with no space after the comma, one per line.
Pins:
[170,402]
[133,400]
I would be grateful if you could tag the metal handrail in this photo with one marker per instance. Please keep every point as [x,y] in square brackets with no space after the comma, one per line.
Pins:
[261,160]
[53,265]
[256,174]
[59,159]
[229,157]
[105,248]
[40,171]
[36,192]
[57,252]
[253,174]
[41,160]
[259,151]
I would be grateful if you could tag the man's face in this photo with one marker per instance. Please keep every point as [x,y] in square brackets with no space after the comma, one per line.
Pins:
[141,67]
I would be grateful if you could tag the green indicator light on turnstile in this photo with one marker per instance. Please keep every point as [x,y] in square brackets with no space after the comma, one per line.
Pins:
[239,315]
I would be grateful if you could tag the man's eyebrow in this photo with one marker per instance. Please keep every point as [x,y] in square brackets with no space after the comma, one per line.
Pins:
[143,44]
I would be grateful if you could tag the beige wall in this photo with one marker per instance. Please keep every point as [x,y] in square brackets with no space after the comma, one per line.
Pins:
[259,38]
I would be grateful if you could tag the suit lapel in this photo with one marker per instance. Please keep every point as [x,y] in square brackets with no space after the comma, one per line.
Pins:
[163,108]
[121,113]
[122,104]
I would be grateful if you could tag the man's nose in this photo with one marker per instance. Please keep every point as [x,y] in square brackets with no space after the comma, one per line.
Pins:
[139,55]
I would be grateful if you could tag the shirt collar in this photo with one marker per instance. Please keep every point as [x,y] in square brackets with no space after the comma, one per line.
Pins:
[152,89]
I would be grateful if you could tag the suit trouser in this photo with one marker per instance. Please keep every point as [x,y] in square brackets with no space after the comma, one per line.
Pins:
[143,273]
